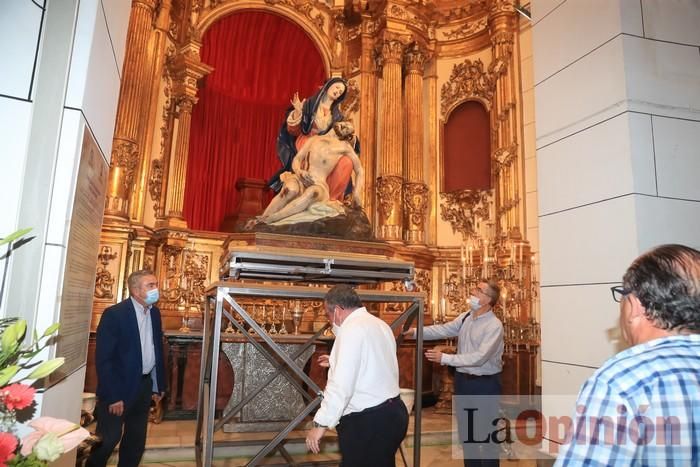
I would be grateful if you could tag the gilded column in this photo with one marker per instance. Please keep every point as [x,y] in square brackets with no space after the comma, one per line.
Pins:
[432,97]
[504,116]
[125,149]
[155,60]
[186,69]
[416,194]
[390,178]
[368,113]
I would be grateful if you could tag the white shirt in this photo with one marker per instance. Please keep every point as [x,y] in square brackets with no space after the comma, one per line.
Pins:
[479,343]
[363,371]
[143,319]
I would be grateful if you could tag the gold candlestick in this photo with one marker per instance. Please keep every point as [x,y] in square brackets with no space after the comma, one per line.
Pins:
[297,314]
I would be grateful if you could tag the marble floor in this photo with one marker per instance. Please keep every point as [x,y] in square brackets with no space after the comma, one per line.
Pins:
[171,443]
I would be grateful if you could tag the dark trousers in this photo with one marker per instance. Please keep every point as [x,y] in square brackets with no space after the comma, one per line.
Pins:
[134,421]
[477,406]
[371,438]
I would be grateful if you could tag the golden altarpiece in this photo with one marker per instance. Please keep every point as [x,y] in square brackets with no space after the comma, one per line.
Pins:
[409,64]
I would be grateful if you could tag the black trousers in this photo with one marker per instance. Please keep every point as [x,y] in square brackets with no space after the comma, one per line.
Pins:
[477,406]
[134,421]
[371,438]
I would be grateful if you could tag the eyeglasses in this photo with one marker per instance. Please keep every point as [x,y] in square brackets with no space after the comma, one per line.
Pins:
[619,293]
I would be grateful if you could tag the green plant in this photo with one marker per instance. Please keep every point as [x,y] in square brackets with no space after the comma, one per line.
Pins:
[13,241]
[19,364]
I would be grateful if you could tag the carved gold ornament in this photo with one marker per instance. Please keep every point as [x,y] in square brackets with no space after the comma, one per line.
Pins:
[468,80]
[388,194]
[155,184]
[104,281]
[415,58]
[469,28]
[423,280]
[392,51]
[465,209]
[416,197]
[505,6]
[504,157]
[351,103]
[125,155]
[186,274]
[463,11]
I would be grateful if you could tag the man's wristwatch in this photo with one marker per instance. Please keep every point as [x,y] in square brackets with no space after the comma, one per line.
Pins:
[318,425]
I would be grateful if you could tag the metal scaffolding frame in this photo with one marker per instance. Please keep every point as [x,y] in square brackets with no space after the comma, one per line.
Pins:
[221,301]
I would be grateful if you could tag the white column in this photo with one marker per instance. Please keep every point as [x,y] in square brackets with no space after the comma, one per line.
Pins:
[617,111]
[47,106]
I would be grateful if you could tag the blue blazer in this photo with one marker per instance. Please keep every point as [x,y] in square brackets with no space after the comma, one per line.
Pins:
[118,354]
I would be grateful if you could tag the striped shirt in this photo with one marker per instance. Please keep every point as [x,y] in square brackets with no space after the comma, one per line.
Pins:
[642,407]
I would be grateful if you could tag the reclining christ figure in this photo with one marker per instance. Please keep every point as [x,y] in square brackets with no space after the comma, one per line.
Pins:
[305,194]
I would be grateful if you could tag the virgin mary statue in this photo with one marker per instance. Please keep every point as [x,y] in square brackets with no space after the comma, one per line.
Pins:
[315,115]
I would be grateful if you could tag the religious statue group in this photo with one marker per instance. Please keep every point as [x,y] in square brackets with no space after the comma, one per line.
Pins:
[319,152]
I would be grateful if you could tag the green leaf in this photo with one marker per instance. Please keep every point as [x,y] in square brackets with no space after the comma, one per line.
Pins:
[6,374]
[15,235]
[46,368]
[13,335]
[51,329]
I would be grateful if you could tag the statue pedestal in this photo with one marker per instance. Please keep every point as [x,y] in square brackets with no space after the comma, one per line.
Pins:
[250,203]
[298,244]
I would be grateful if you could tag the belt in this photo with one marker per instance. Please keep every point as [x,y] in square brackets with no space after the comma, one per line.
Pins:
[376,407]
[470,376]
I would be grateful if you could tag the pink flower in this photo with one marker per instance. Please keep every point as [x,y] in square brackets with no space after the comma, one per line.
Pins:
[69,433]
[17,396]
[8,444]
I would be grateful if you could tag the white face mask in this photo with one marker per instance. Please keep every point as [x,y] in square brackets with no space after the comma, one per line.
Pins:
[474,303]
[335,330]
[336,327]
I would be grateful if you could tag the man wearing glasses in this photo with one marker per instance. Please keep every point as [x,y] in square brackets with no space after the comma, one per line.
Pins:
[642,407]
[478,365]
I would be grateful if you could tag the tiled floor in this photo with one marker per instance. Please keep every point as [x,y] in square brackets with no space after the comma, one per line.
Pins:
[431,456]
[172,444]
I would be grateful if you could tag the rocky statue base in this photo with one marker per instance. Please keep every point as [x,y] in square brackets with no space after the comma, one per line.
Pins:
[353,225]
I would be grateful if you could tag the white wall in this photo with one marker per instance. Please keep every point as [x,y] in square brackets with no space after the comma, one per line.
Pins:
[617,105]
[60,72]
[20,26]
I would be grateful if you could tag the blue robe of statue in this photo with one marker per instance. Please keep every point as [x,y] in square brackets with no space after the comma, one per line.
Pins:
[287,143]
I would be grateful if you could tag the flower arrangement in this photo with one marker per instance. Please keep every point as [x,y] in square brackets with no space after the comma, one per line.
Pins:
[18,367]
[51,437]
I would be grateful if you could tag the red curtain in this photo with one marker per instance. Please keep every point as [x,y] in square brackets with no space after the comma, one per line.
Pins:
[467,150]
[259,61]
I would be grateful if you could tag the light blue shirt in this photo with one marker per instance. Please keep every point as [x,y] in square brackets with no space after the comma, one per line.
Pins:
[479,343]
[148,354]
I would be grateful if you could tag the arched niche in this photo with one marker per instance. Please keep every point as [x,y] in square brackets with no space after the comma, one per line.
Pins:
[259,60]
[319,37]
[466,148]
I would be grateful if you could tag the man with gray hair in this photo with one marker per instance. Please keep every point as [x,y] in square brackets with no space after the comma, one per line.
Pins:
[361,399]
[478,365]
[642,407]
[130,371]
